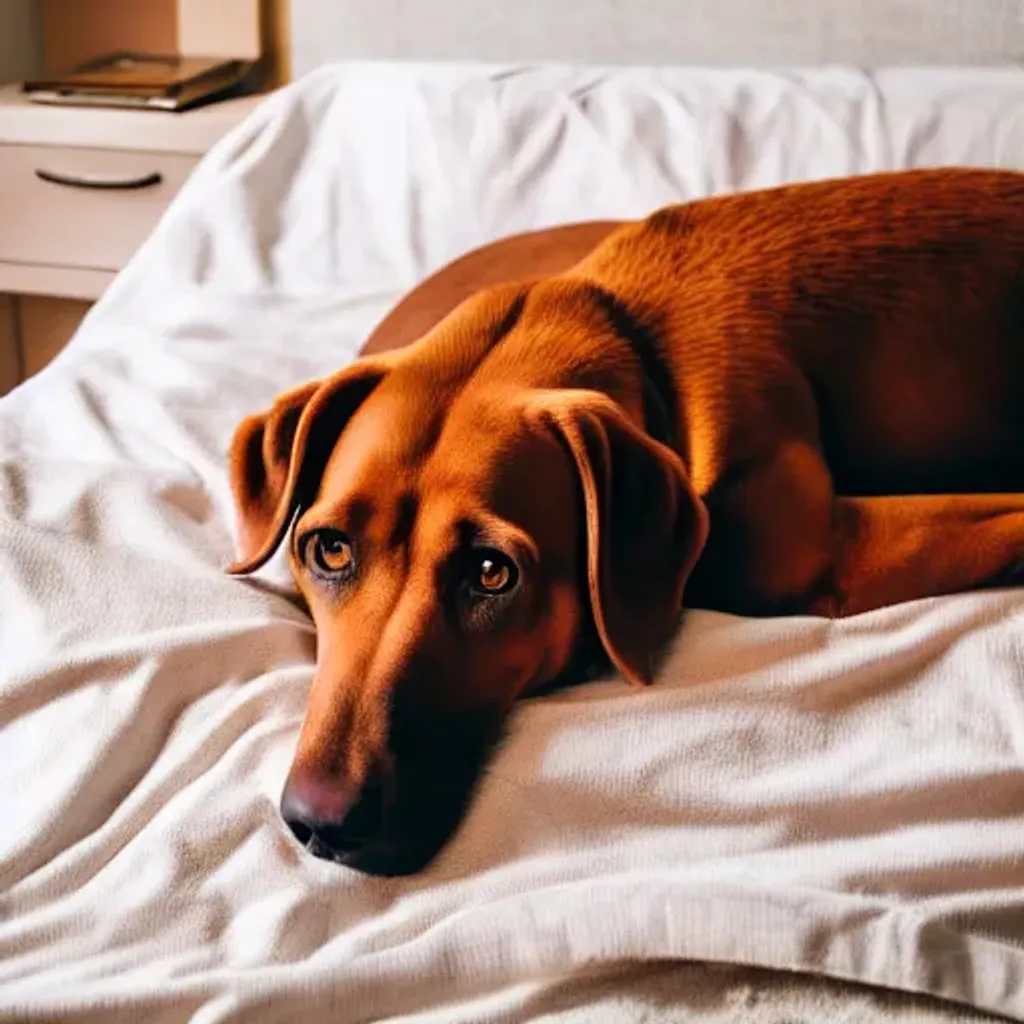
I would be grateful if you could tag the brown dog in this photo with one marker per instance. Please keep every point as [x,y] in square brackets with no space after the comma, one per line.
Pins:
[806,399]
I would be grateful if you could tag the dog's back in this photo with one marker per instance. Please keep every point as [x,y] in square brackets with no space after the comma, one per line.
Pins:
[896,299]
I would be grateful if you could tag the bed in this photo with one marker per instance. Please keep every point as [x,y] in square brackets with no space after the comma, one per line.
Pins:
[802,821]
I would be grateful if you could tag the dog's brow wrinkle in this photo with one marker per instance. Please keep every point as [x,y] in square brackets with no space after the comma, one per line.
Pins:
[405,519]
[360,513]
[354,513]
[467,531]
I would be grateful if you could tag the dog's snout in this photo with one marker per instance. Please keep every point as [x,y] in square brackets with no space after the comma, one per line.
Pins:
[331,818]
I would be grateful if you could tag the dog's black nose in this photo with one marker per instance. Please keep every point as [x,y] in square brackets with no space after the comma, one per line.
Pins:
[327,821]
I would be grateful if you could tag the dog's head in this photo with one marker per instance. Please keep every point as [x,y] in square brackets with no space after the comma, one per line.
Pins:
[460,544]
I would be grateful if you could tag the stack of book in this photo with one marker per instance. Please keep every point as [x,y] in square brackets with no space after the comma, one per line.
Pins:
[145,81]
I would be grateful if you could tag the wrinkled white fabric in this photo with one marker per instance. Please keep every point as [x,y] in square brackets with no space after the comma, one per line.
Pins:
[839,798]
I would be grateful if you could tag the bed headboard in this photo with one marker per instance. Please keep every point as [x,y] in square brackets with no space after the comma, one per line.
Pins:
[752,33]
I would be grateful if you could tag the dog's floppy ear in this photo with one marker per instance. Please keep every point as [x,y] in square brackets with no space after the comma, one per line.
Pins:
[278,457]
[645,525]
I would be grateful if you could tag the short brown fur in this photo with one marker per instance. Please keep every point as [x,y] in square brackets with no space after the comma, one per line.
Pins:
[801,400]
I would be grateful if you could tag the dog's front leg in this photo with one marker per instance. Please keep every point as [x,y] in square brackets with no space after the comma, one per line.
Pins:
[771,548]
[894,549]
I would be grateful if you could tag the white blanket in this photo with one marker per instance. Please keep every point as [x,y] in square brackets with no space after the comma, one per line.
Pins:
[838,798]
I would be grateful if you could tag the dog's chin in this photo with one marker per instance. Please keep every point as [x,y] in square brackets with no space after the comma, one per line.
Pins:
[439,763]
[382,859]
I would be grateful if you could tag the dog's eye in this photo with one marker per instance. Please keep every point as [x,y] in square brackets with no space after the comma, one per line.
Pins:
[331,553]
[493,573]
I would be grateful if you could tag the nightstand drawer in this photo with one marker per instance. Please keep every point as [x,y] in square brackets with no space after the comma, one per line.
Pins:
[86,208]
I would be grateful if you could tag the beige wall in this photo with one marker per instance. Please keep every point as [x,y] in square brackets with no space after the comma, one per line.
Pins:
[19,39]
[718,32]
[76,30]
[70,31]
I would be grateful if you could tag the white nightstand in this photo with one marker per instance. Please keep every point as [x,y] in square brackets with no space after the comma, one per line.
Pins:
[80,189]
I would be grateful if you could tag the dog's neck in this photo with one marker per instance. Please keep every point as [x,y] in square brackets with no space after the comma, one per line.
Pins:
[660,394]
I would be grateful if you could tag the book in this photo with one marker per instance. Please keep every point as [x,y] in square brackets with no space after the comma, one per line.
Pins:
[125,79]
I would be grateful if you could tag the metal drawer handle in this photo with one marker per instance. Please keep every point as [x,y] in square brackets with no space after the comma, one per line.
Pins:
[95,181]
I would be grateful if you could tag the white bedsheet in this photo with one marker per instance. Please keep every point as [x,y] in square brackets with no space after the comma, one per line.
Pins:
[846,799]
